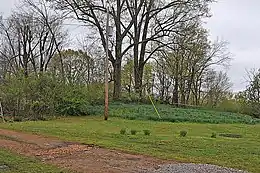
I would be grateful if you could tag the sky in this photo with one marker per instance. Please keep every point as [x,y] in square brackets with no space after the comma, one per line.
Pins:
[235,21]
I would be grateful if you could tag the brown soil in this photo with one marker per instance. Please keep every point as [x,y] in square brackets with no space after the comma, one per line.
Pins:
[75,156]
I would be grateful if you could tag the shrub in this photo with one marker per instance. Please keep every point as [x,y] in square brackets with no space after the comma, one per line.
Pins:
[133,132]
[229,106]
[29,97]
[123,131]
[213,135]
[36,96]
[183,133]
[147,132]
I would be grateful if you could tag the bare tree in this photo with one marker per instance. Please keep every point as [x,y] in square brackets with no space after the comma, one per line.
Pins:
[141,25]
[53,23]
[29,40]
[185,66]
[93,13]
[216,87]
[155,23]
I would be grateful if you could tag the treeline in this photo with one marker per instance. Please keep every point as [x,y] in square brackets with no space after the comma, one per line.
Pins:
[159,48]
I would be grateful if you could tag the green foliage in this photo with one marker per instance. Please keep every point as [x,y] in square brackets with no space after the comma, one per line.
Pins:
[214,135]
[128,76]
[147,132]
[183,133]
[240,105]
[73,101]
[35,97]
[230,106]
[30,96]
[250,98]
[133,132]
[171,114]
[253,109]
[123,131]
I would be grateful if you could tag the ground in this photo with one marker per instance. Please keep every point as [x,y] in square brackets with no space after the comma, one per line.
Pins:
[75,156]
[162,146]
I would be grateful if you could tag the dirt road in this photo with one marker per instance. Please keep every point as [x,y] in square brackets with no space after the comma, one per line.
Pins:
[76,156]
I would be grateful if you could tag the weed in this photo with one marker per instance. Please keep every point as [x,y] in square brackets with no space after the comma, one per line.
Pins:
[214,135]
[123,131]
[133,132]
[183,133]
[147,132]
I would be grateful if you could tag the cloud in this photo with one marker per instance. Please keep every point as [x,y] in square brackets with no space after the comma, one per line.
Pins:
[238,23]
[7,6]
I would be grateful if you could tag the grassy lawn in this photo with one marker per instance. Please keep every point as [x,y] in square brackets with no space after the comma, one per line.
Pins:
[21,164]
[164,141]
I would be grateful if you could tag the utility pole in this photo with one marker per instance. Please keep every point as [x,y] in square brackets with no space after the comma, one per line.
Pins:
[1,21]
[108,34]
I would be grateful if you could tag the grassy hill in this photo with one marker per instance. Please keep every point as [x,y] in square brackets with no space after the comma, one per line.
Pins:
[171,114]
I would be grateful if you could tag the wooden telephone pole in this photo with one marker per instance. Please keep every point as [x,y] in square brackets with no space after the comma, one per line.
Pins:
[109,33]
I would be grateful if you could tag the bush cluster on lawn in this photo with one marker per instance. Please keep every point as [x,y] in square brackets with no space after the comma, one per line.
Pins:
[123,131]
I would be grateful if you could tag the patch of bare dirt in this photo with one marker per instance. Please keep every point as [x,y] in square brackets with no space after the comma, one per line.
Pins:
[75,156]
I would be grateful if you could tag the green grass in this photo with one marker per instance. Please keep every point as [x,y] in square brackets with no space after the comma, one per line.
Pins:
[164,141]
[21,164]
[171,114]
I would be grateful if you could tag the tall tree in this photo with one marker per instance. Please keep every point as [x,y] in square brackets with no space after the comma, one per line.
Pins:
[216,87]
[141,25]
[30,40]
[78,66]
[93,13]
[156,22]
[185,66]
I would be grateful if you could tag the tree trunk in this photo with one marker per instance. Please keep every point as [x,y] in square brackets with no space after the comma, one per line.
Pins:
[190,81]
[175,95]
[117,79]
[139,79]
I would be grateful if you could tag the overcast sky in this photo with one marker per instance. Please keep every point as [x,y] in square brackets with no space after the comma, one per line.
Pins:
[236,21]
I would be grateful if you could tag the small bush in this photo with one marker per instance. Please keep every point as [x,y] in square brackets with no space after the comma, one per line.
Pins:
[213,135]
[147,132]
[183,133]
[133,132]
[123,131]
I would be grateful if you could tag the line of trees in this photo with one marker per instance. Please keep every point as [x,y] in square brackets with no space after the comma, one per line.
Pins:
[159,48]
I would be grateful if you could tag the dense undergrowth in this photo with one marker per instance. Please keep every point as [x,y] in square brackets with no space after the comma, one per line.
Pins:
[171,114]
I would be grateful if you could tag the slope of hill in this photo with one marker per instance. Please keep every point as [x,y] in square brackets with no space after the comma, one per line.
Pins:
[171,114]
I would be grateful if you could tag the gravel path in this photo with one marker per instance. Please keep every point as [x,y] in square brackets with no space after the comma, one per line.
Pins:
[193,168]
